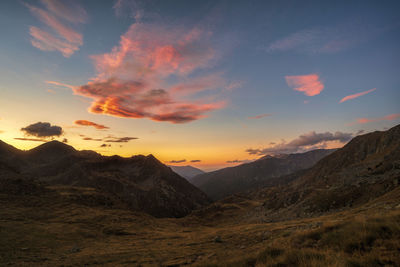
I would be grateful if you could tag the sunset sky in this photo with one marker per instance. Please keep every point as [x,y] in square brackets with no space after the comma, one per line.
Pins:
[203,83]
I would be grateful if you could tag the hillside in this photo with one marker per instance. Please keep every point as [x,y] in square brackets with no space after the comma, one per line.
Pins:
[141,182]
[366,168]
[65,220]
[187,171]
[260,173]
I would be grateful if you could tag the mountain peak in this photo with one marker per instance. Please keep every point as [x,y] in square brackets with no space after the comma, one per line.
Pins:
[49,151]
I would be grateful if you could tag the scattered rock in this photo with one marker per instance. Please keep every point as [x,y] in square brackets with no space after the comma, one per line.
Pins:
[217,239]
[75,249]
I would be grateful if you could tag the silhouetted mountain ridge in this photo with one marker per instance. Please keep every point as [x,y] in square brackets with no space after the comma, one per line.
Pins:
[262,172]
[143,183]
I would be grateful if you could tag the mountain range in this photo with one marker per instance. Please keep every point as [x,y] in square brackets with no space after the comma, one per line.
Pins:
[187,171]
[140,182]
[60,206]
[265,171]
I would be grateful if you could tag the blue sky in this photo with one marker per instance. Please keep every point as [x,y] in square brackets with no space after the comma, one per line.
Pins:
[196,71]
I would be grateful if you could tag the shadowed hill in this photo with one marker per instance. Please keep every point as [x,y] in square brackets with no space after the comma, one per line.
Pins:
[187,171]
[262,172]
[364,169]
[142,182]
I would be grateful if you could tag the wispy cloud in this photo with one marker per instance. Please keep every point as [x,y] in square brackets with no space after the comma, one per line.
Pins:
[30,139]
[62,38]
[305,142]
[109,139]
[238,161]
[112,139]
[260,116]
[309,84]
[90,123]
[131,8]
[195,160]
[330,39]
[349,97]
[234,85]
[177,161]
[68,10]
[133,80]
[61,84]
[390,117]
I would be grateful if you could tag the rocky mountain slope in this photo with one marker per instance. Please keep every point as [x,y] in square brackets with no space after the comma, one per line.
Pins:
[263,172]
[142,183]
[344,211]
[365,169]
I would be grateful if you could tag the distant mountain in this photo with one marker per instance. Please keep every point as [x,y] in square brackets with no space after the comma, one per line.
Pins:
[187,171]
[366,168]
[142,183]
[262,172]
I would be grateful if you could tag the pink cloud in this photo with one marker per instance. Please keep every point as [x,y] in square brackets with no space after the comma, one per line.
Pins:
[349,97]
[385,118]
[90,123]
[260,116]
[72,12]
[48,42]
[60,84]
[134,79]
[309,84]
[63,39]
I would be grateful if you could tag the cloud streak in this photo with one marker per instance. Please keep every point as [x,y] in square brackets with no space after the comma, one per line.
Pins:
[109,139]
[389,117]
[238,161]
[90,123]
[177,161]
[349,97]
[305,142]
[260,116]
[309,84]
[58,36]
[330,39]
[30,139]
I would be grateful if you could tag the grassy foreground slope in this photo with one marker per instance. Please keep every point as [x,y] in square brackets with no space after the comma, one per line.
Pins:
[65,226]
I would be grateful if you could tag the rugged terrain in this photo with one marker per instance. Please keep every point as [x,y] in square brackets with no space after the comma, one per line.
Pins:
[257,174]
[141,183]
[344,211]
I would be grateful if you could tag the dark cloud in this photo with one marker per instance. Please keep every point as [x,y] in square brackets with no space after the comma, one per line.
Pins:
[42,129]
[177,161]
[305,142]
[90,123]
[91,139]
[195,160]
[119,139]
[105,145]
[238,161]
[65,140]
[109,139]
[31,139]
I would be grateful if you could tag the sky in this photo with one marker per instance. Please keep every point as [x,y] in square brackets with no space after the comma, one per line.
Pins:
[210,84]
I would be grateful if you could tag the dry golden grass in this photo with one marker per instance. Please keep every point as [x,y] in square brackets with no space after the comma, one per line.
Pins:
[55,230]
